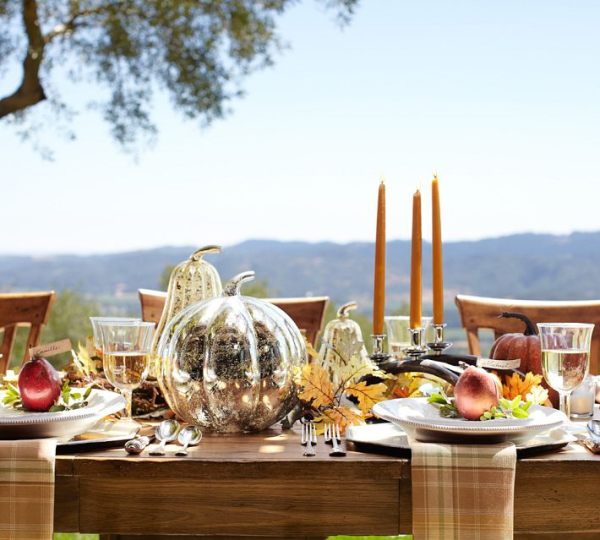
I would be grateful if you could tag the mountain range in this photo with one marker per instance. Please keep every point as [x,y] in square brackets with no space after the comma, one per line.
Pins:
[532,266]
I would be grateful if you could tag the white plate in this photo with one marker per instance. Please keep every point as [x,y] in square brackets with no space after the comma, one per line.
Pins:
[15,424]
[423,421]
[106,432]
[385,437]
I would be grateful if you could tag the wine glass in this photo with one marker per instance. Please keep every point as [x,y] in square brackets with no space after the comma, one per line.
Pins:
[126,354]
[96,330]
[565,357]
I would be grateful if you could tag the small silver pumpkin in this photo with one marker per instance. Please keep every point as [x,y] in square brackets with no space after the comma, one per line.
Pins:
[228,363]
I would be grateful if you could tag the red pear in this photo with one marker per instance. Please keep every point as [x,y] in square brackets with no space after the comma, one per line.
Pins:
[475,392]
[39,385]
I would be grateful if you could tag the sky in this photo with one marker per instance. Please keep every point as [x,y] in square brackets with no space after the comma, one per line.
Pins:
[502,99]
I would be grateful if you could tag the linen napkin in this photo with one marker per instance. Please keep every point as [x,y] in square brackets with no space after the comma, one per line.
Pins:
[27,489]
[463,492]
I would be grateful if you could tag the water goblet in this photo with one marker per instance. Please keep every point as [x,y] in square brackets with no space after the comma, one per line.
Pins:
[565,357]
[126,354]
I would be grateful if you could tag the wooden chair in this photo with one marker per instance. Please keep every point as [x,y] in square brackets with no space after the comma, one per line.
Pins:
[479,312]
[22,309]
[307,312]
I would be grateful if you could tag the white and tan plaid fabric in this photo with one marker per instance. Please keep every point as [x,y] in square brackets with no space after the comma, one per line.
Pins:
[463,492]
[27,489]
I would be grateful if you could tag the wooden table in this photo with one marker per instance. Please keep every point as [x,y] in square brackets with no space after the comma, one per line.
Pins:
[261,485]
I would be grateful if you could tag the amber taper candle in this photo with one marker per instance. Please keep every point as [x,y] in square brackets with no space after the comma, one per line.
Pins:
[438,273]
[415,263]
[379,277]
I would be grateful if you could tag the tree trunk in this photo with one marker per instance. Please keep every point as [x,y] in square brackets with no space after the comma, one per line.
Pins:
[30,91]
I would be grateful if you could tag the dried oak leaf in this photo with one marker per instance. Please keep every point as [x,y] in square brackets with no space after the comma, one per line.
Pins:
[342,416]
[316,386]
[367,394]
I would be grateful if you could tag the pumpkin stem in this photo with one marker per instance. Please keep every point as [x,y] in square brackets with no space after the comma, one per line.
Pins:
[233,286]
[530,329]
[342,313]
[199,253]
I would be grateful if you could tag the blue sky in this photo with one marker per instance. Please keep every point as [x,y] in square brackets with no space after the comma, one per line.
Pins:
[501,98]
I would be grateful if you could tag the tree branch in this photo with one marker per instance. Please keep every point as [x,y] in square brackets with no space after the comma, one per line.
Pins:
[30,91]
[73,23]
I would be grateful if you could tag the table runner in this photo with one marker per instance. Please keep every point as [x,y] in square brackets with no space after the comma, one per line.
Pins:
[27,489]
[463,492]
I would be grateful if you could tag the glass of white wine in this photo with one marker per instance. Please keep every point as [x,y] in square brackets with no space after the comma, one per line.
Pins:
[126,354]
[96,321]
[565,357]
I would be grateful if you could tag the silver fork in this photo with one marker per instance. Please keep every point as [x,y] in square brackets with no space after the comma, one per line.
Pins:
[327,433]
[336,438]
[309,438]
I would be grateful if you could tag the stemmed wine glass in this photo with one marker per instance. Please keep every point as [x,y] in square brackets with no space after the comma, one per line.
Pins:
[126,354]
[96,329]
[565,357]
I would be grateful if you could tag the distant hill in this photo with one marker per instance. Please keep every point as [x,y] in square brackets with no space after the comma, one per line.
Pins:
[532,266]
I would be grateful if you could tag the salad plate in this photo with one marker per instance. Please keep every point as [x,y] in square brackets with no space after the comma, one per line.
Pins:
[422,421]
[20,424]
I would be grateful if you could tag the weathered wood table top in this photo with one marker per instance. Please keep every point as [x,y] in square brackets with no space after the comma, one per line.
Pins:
[262,485]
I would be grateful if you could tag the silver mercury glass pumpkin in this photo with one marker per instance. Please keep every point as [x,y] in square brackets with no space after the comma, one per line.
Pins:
[228,363]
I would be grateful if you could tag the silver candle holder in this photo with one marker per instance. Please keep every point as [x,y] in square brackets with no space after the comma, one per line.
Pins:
[439,344]
[417,347]
[379,355]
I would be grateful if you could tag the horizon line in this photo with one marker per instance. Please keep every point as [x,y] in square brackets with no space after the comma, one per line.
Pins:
[42,255]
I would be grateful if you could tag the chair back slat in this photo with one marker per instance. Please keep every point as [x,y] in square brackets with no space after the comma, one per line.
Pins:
[307,313]
[479,312]
[22,309]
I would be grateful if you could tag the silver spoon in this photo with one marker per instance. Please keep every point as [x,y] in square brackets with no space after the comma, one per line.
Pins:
[188,436]
[166,432]
[593,427]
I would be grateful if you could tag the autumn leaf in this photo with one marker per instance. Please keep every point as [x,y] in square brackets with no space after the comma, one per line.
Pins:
[516,386]
[367,394]
[342,416]
[316,386]
[312,352]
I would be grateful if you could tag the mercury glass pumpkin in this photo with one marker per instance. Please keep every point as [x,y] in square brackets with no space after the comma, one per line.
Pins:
[228,363]
[342,347]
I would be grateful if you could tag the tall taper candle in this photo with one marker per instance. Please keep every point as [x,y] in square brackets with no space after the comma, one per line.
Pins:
[415,264]
[379,278]
[438,273]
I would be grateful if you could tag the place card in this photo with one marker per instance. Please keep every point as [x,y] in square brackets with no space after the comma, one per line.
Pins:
[490,363]
[51,349]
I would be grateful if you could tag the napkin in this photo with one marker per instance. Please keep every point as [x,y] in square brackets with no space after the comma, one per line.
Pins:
[27,489]
[462,491]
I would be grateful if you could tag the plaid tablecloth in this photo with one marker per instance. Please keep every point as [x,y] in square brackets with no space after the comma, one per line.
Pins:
[27,489]
[463,492]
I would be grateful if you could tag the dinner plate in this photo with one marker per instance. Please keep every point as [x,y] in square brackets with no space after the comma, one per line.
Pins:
[391,439]
[18,424]
[106,432]
[423,421]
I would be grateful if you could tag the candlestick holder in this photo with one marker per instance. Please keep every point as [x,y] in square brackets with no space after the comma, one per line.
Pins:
[379,356]
[439,344]
[417,340]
